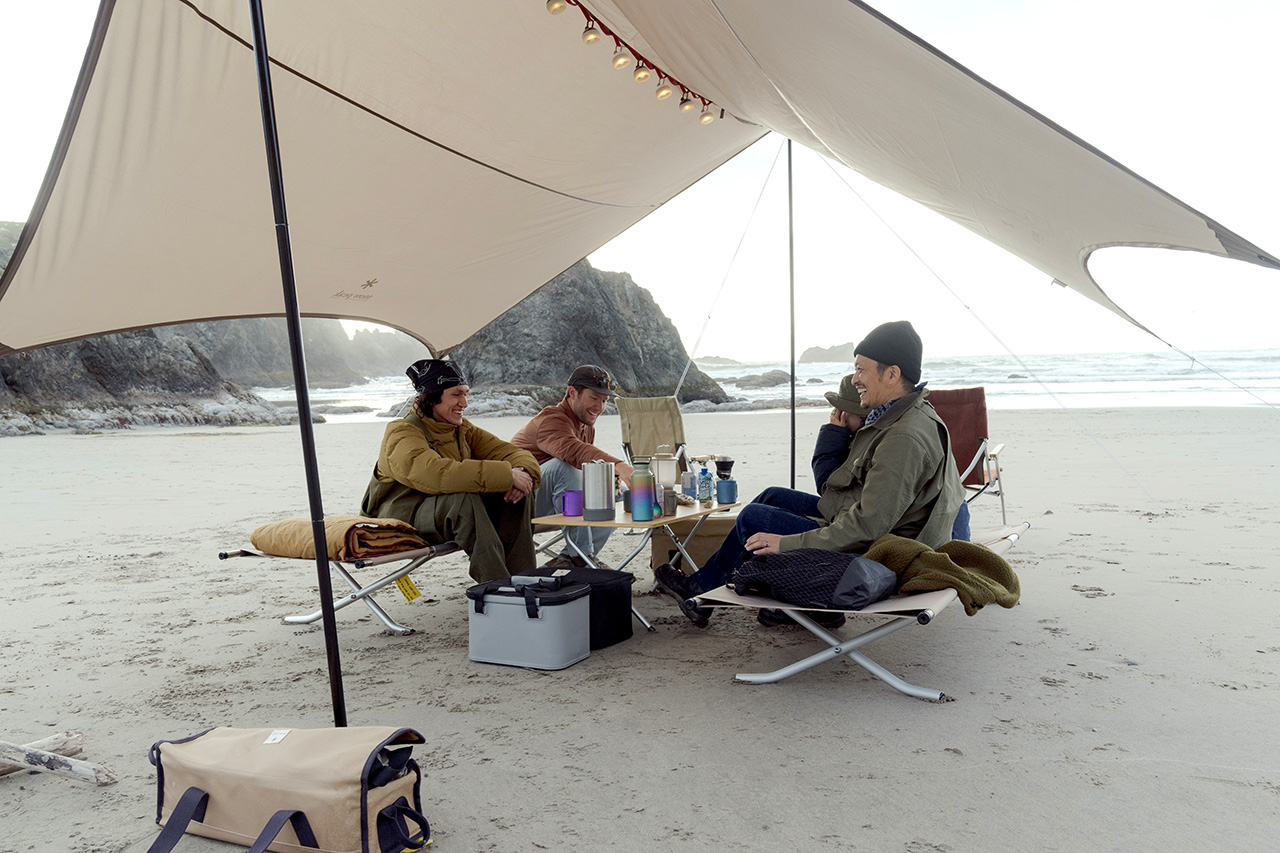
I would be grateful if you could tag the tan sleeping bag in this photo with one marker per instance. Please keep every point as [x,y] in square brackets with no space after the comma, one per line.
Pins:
[349,537]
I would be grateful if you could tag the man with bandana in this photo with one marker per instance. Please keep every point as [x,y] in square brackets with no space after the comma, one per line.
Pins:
[454,481]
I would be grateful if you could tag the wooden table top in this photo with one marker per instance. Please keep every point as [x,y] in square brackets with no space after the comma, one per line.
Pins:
[623,519]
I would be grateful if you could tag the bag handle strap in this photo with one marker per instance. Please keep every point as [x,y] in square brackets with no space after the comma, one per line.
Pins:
[530,600]
[393,831]
[301,828]
[191,806]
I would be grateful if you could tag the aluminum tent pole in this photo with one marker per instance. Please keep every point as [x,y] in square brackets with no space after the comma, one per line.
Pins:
[791,261]
[293,321]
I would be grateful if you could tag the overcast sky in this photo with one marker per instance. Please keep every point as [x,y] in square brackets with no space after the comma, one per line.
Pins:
[1183,93]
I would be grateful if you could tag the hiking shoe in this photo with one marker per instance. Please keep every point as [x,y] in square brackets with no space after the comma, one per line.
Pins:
[678,585]
[774,618]
[561,561]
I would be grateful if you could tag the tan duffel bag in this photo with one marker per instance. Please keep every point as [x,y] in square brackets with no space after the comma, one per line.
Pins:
[340,790]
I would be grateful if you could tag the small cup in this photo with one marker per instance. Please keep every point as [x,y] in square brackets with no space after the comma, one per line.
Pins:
[726,491]
[669,502]
[568,502]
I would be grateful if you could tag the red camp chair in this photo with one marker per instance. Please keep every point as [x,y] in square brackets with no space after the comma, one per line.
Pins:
[964,411]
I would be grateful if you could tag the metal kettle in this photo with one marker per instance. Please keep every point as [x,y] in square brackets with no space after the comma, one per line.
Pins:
[597,491]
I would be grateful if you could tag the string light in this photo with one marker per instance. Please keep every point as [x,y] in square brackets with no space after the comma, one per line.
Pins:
[624,55]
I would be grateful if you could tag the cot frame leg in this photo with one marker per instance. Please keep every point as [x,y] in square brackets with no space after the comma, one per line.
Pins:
[365,594]
[848,648]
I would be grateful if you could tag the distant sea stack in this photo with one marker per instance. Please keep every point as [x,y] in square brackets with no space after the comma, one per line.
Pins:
[841,353]
[585,316]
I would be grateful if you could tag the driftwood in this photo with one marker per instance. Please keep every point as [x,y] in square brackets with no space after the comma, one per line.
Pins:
[66,743]
[50,762]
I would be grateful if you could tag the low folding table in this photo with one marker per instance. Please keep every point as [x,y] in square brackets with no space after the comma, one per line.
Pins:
[624,519]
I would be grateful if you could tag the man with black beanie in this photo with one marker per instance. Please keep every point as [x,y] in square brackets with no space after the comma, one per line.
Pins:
[898,477]
[454,481]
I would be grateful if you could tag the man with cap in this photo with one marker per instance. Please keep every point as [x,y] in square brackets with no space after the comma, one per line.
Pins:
[896,476]
[561,438]
[454,481]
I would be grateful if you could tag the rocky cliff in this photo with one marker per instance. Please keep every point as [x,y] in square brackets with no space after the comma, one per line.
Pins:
[255,351]
[193,373]
[585,316]
[121,380]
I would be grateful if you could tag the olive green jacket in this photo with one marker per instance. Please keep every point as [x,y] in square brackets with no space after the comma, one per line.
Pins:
[422,456]
[899,477]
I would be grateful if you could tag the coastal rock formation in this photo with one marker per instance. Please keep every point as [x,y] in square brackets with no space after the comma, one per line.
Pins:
[841,352]
[255,351]
[585,316]
[121,380]
[768,379]
[193,373]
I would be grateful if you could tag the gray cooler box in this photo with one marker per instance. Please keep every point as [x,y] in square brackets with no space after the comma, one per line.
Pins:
[542,623]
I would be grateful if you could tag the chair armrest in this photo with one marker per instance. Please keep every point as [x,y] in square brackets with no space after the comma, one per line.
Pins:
[995,451]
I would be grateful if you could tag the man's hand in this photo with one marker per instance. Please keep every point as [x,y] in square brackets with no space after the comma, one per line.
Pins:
[848,420]
[763,543]
[521,486]
[623,472]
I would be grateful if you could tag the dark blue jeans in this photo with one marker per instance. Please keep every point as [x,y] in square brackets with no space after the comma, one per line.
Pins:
[960,530]
[775,510]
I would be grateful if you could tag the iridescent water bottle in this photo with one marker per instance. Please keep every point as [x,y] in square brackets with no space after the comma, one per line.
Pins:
[642,491]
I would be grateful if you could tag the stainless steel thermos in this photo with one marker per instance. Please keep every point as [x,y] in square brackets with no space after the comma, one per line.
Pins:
[597,491]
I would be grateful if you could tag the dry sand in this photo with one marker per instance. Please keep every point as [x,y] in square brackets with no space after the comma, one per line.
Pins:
[1129,702]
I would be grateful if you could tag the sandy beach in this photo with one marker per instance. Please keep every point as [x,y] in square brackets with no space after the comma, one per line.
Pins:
[1129,702]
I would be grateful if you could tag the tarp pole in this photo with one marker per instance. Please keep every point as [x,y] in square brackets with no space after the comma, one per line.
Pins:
[293,321]
[791,260]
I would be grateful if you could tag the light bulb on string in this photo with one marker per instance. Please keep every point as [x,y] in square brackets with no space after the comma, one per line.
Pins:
[641,74]
[665,90]
[590,35]
[621,57]
[707,115]
[555,7]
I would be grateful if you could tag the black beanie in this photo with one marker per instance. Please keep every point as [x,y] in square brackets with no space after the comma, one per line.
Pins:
[434,374]
[895,343]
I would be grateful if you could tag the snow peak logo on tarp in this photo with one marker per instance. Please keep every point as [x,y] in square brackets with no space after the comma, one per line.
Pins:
[368,285]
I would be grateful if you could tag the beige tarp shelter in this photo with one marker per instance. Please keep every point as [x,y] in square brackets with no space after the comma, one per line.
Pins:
[442,160]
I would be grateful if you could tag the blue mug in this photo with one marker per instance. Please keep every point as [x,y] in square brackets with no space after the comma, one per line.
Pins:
[726,491]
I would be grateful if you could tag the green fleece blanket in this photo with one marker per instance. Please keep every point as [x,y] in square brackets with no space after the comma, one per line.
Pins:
[978,574]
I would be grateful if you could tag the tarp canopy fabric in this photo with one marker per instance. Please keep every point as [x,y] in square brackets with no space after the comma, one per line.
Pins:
[443,160]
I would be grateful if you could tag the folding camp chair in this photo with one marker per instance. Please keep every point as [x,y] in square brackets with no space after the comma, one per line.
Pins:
[964,411]
[411,559]
[649,423]
[902,611]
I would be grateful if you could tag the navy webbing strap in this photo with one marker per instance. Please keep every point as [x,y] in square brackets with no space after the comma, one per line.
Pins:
[191,806]
[301,828]
[393,831]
